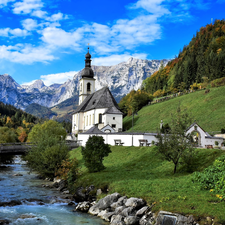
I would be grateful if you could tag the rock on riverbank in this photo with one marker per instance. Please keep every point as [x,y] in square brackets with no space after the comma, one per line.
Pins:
[120,210]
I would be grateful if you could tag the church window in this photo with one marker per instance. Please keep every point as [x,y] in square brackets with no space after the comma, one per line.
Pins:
[113,118]
[81,87]
[90,120]
[100,118]
[113,125]
[88,87]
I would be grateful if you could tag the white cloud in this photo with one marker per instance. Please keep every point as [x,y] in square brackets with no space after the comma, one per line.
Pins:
[115,59]
[26,54]
[5,2]
[7,32]
[58,78]
[18,32]
[4,32]
[39,13]
[59,38]
[57,17]
[27,6]
[152,6]
[28,83]
[29,24]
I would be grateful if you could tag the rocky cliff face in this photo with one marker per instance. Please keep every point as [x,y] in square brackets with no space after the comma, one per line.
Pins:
[120,79]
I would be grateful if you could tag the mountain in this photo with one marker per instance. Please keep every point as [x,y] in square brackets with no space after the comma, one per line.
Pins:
[120,79]
[40,111]
[203,60]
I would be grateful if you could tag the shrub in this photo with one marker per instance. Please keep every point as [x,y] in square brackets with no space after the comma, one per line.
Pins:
[68,170]
[94,153]
[213,177]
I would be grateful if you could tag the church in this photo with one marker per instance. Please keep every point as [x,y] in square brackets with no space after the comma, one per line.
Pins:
[96,109]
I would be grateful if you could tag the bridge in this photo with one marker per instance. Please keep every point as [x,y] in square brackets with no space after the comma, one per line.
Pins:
[22,148]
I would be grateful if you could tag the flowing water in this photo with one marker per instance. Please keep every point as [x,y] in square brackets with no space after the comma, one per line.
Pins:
[28,189]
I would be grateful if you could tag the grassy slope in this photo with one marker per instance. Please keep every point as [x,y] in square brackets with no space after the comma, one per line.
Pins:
[207,109]
[141,172]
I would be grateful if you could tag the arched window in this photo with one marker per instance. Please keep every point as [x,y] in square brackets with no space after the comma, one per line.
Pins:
[81,87]
[88,87]
[100,118]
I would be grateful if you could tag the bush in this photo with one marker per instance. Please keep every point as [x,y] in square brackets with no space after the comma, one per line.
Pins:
[213,177]
[94,153]
[68,170]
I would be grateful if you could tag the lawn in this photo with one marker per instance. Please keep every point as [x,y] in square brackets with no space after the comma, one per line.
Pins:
[207,109]
[141,172]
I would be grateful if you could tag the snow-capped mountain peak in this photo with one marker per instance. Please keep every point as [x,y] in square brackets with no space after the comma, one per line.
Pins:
[120,79]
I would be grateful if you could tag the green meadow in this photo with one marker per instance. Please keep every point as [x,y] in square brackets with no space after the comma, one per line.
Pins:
[141,172]
[207,109]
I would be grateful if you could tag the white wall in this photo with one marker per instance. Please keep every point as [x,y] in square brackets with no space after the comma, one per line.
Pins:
[126,139]
[114,119]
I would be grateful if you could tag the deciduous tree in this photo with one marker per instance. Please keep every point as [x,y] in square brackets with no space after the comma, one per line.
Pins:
[176,146]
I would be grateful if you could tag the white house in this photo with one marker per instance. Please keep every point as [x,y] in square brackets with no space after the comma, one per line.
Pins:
[95,108]
[204,139]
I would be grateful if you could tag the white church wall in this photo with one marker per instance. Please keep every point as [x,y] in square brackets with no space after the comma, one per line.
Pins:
[115,121]
[88,120]
[126,139]
[100,111]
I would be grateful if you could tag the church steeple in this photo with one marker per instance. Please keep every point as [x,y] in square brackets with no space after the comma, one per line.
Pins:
[87,71]
[87,81]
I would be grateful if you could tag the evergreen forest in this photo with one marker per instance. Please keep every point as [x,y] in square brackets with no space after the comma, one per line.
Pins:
[200,61]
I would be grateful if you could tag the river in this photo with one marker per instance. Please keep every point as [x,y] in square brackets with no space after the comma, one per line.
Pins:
[28,189]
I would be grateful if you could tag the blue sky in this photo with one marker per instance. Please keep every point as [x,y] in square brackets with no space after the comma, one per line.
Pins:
[47,39]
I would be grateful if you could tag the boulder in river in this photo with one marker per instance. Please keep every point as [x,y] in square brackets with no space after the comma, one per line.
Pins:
[4,221]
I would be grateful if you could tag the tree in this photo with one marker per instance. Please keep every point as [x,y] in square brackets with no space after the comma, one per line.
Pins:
[94,153]
[176,146]
[7,135]
[50,149]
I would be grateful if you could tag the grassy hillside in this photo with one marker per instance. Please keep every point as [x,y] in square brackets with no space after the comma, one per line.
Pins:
[207,109]
[141,172]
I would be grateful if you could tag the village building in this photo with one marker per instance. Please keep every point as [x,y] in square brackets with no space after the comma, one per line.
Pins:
[203,139]
[96,108]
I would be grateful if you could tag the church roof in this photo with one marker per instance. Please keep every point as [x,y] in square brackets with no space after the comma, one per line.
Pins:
[93,130]
[100,99]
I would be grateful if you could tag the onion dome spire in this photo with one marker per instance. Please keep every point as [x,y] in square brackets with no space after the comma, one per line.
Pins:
[87,71]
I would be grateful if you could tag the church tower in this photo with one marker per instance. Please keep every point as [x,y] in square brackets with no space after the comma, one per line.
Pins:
[87,81]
